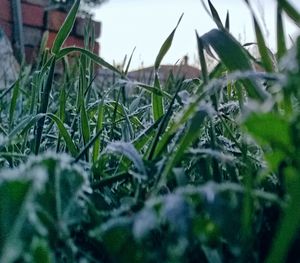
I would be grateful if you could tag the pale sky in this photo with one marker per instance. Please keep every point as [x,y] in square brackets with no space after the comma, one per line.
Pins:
[145,24]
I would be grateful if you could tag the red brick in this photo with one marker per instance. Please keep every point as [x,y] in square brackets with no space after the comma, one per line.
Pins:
[7,28]
[80,25]
[5,10]
[55,19]
[37,2]
[33,15]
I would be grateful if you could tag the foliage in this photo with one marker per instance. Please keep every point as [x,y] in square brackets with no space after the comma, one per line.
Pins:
[190,170]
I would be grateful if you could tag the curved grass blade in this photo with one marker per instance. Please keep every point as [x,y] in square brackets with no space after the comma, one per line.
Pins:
[99,61]
[188,138]
[23,126]
[87,146]
[28,122]
[65,29]
[128,150]
[65,134]
[157,101]
[234,58]
[120,110]
[154,90]
[144,137]
[166,46]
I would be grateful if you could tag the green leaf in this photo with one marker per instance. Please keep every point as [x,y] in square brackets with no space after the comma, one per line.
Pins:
[13,103]
[44,104]
[112,105]
[188,138]
[99,126]
[202,60]
[85,127]
[290,10]
[165,47]
[145,136]
[227,22]
[263,50]
[65,29]
[130,152]
[234,57]
[157,101]
[281,44]
[270,128]
[262,47]
[40,251]
[14,195]
[65,51]
[61,203]
[290,222]
[65,134]
[215,15]
[154,90]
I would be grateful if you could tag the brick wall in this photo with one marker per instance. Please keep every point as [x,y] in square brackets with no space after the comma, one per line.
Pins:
[36,20]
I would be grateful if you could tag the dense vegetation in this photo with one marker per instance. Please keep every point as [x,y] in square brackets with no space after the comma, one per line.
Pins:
[195,170]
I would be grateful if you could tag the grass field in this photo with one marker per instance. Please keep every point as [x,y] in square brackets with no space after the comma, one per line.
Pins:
[191,170]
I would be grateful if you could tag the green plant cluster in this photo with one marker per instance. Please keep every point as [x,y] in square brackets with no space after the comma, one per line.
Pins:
[191,170]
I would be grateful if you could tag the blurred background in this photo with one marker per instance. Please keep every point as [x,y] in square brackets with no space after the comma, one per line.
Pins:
[145,24]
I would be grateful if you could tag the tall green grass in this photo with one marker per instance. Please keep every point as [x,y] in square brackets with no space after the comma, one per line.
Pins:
[194,170]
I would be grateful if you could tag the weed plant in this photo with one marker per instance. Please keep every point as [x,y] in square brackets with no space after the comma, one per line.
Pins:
[197,170]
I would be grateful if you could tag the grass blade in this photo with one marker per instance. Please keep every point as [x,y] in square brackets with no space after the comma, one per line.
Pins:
[262,47]
[157,101]
[290,10]
[234,58]
[65,134]
[215,15]
[128,150]
[290,223]
[189,137]
[65,29]
[227,22]
[281,44]
[166,46]
[129,62]
[202,60]
[99,61]
[13,103]
[44,105]
[85,128]
[99,126]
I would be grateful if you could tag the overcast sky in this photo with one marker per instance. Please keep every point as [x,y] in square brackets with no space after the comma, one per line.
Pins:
[145,24]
